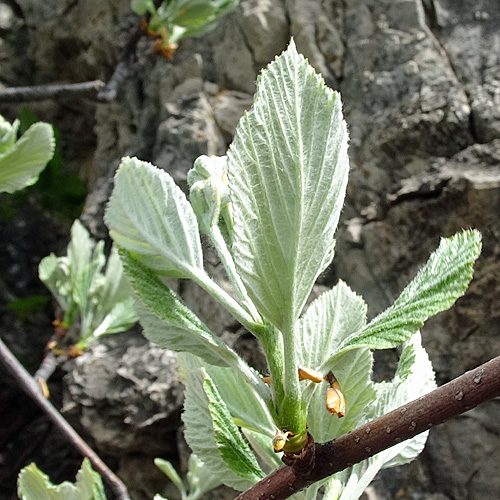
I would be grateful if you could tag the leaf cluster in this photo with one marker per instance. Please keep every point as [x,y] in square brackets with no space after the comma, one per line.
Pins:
[183,18]
[33,484]
[89,288]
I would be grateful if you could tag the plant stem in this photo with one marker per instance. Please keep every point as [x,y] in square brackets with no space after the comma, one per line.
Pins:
[448,401]
[227,261]
[292,410]
[27,383]
[219,294]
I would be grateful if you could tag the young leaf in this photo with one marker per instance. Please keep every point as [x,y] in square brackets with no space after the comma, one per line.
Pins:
[199,478]
[168,469]
[287,170]
[435,288]
[235,452]
[330,318]
[199,430]
[23,161]
[33,484]
[149,215]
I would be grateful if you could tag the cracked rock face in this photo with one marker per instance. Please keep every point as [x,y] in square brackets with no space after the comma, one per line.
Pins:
[127,395]
[420,83]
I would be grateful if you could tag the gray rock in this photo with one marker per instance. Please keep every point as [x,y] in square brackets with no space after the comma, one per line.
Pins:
[126,393]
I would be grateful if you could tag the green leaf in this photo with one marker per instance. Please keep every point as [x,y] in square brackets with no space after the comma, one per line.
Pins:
[435,288]
[8,133]
[199,430]
[199,478]
[140,7]
[168,469]
[235,452]
[170,324]
[287,171]
[330,318]
[33,484]
[80,250]
[121,317]
[55,274]
[247,408]
[26,307]
[149,215]
[21,164]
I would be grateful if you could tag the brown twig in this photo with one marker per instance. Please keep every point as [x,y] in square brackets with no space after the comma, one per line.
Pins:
[98,90]
[448,401]
[29,385]
[40,92]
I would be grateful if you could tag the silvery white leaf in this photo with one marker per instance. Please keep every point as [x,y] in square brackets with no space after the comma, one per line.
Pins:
[287,170]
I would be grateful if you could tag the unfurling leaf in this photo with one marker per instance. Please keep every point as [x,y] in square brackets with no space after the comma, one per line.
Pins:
[33,484]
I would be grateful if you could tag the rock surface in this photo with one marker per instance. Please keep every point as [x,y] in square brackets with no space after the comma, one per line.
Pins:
[420,82]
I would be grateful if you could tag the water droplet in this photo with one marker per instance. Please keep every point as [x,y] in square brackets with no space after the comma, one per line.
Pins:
[368,430]
[412,426]
[368,449]
[357,439]
[402,411]
[459,395]
[397,440]
[478,377]
[388,430]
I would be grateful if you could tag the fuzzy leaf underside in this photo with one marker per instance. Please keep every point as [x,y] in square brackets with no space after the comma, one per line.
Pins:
[287,170]
[352,369]
[22,163]
[149,215]
[442,280]
[414,377]
[330,318]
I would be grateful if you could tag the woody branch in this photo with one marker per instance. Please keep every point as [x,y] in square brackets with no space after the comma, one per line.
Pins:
[448,401]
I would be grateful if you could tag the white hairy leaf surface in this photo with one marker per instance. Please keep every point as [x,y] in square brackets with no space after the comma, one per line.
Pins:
[352,370]
[149,215]
[330,318]
[199,429]
[287,171]
[234,450]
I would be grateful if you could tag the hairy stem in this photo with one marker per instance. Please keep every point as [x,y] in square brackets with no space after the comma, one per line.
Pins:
[228,263]
[28,384]
[448,401]
[292,410]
